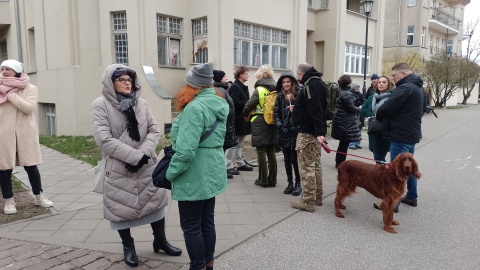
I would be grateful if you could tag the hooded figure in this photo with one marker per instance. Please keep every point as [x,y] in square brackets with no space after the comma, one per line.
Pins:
[127,133]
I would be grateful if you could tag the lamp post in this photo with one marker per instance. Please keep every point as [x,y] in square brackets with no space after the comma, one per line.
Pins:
[367,8]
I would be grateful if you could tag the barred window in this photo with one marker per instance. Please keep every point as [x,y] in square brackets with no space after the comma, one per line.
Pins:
[355,59]
[120,37]
[169,39]
[200,40]
[256,45]
[410,33]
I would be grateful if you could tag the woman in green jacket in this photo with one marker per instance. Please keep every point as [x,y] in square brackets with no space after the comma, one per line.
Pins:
[197,170]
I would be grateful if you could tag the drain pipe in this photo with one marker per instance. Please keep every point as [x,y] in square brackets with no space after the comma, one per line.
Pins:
[19,38]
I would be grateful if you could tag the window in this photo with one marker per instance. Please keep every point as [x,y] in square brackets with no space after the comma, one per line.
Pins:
[200,41]
[355,59]
[436,44]
[410,30]
[323,4]
[120,37]
[431,44]
[424,32]
[3,51]
[255,45]
[449,47]
[169,39]
[50,118]
[310,4]
[412,2]
[425,3]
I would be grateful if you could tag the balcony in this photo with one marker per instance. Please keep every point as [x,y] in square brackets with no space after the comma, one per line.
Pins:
[444,22]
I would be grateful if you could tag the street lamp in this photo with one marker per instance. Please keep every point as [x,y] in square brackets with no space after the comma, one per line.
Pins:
[367,8]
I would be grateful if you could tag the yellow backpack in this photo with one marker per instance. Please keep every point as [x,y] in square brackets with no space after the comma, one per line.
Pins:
[268,107]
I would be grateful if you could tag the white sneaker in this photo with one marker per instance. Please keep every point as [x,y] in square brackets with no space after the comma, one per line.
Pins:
[42,201]
[9,207]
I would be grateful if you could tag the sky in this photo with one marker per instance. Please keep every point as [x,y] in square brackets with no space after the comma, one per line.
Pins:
[471,13]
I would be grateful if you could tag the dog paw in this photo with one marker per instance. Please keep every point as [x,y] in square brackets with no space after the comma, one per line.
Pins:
[394,222]
[339,215]
[343,207]
[389,229]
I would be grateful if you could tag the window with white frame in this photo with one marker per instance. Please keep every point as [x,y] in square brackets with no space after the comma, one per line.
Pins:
[412,2]
[449,47]
[431,43]
[51,119]
[323,4]
[200,41]
[3,51]
[169,41]
[424,33]
[355,59]
[120,37]
[255,45]
[410,33]
[425,3]
[310,3]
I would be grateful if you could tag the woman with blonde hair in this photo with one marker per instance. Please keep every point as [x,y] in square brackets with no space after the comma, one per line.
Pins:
[263,134]
[197,169]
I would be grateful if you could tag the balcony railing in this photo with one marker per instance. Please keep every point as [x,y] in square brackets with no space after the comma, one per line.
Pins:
[317,4]
[446,18]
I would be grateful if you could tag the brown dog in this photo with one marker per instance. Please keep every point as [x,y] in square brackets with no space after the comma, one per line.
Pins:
[386,182]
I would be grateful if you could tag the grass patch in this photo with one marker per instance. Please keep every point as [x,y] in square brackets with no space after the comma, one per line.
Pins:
[17,185]
[84,148]
[80,147]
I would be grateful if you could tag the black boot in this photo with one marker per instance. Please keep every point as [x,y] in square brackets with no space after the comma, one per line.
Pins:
[129,253]
[289,188]
[160,241]
[297,189]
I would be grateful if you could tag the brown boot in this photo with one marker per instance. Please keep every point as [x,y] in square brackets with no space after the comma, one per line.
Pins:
[302,206]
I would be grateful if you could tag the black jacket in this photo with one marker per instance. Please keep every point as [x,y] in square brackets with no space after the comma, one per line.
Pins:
[240,95]
[230,136]
[345,125]
[308,112]
[402,111]
[287,132]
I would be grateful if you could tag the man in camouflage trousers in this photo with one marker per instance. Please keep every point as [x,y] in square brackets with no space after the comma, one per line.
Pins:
[309,118]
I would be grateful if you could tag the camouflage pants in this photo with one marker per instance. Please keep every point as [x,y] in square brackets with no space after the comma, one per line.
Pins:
[309,152]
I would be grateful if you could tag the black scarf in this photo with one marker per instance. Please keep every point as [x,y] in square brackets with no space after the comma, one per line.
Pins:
[127,102]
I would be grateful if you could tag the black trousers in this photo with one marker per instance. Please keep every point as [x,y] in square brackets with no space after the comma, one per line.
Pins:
[342,147]
[33,177]
[290,157]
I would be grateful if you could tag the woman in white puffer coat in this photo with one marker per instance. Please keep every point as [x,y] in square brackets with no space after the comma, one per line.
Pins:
[126,131]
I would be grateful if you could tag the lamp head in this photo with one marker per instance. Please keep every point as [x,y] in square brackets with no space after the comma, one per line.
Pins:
[367,5]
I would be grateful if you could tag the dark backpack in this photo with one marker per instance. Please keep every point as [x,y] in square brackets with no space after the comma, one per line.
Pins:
[332,96]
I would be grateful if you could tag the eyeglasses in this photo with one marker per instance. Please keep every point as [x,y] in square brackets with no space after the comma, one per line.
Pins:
[123,80]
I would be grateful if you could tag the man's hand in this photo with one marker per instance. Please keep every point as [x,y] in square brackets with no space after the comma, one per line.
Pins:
[321,139]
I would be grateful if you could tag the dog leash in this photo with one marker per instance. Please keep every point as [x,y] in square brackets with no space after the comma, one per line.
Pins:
[328,150]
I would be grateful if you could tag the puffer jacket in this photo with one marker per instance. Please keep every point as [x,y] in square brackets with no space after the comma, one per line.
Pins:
[127,196]
[403,110]
[287,131]
[197,170]
[345,126]
[263,134]
[240,95]
[230,136]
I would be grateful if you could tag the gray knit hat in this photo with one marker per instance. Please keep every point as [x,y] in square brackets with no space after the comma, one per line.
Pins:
[200,76]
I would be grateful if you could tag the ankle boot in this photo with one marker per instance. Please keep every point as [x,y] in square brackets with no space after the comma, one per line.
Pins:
[297,189]
[209,266]
[129,253]
[289,188]
[160,241]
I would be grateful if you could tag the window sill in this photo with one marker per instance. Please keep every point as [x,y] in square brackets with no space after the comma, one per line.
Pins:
[173,67]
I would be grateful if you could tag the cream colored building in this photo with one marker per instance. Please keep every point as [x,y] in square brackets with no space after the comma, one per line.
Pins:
[415,30]
[65,45]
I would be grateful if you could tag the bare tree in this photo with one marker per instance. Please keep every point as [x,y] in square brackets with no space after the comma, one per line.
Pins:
[470,68]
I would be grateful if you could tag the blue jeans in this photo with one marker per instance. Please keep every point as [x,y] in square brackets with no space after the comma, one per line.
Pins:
[198,226]
[396,148]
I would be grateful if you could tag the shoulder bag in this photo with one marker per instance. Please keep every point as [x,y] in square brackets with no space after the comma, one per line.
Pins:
[375,127]
[159,174]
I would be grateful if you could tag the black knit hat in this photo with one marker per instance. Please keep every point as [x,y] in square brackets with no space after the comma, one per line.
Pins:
[218,75]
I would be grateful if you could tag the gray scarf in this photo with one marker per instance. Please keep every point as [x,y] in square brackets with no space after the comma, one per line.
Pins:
[378,100]
[127,102]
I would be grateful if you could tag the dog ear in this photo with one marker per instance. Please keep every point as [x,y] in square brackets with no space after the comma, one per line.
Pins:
[415,170]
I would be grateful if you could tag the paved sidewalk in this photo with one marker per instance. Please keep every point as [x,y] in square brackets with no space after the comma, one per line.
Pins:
[77,222]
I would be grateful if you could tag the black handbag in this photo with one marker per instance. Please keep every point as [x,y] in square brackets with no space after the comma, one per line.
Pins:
[375,126]
[159,173]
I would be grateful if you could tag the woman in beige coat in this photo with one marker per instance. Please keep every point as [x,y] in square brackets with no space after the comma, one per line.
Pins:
[127,133]
[18,133]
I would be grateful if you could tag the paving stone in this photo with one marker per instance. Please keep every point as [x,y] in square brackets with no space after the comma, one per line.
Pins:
[168,266]
[32,252]
[98,264]
[25,263]
[48,264]
[55,252]
[6,261]
[153,264]
[73,255]
[114,258]
[20,247]
[78,262]
[11,245]
[65,266]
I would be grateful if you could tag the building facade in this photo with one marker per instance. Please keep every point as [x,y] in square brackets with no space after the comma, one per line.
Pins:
[419,29]
[66,45]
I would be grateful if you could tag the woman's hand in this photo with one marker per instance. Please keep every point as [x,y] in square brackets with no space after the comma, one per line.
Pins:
[133,169]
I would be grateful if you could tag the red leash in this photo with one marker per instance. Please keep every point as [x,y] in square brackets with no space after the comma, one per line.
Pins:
[328,150]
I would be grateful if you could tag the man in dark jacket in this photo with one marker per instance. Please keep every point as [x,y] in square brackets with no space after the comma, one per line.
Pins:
[240,95]
[402,117]
[308,115]
[371,89]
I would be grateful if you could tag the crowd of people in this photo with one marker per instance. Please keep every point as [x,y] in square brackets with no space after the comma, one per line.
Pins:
[127,133]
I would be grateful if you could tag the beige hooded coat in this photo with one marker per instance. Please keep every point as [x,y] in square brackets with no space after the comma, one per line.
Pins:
[19,130]
[127,196]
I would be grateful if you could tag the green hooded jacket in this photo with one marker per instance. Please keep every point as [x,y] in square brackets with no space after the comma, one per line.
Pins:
[197,171]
